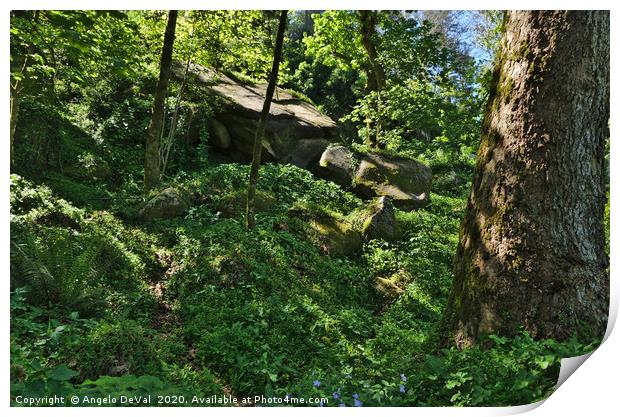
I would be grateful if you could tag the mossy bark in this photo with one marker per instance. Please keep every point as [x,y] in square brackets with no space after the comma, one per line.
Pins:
[532,249]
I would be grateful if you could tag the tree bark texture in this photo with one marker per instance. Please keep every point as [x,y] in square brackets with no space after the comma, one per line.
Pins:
[153,135]
[531,253]
[260,130]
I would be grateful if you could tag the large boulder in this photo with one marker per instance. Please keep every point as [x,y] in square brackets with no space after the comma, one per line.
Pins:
[406,181]
[337,164]
[242,132]
[290,120]
[380,222]
[168,204]
[335,237]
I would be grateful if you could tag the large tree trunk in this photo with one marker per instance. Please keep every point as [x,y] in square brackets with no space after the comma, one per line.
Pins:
[532,248]
[260,131]
[153,135]
[375,75]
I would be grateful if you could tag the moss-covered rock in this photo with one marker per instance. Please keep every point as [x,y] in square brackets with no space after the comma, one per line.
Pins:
[380,222]
[406,181]
[331,232]
[392,287]
[167,204]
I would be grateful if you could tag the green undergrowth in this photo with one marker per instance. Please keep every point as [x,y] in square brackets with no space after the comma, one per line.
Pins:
[261,312]
[105,304]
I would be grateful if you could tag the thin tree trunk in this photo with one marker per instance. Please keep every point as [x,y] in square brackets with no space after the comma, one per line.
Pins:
[260,131]
[15,90]
[375,73]
[151,160]
[532,250]
[368,20]
[13,121]
[175,118]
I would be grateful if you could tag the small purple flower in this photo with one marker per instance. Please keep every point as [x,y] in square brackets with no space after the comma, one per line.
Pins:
[358,403]
[401,388]
[403,378]
[321,403]
[336,396]
[316,383]
[342,405]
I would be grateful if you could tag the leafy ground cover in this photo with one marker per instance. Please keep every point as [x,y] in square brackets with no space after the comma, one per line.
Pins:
[102,303]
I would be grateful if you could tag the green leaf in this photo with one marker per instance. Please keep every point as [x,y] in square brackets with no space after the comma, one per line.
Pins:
[35,388]
[62,373]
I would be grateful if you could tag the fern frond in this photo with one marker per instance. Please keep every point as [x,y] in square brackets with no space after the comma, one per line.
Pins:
[33,272]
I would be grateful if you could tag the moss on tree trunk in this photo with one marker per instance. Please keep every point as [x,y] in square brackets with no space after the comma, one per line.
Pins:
[532,249]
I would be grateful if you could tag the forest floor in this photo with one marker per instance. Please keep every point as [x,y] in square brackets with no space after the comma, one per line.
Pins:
[198,305]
